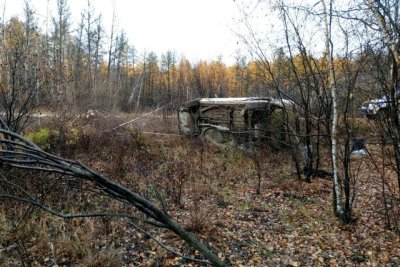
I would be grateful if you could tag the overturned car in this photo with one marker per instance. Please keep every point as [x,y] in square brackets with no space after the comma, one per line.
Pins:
[375,107]
[235,120]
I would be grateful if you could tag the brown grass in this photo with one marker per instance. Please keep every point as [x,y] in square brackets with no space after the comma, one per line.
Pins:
[208,189]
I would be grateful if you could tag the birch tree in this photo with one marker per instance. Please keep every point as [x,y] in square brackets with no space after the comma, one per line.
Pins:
[332,87]
[97,56]
[110,52]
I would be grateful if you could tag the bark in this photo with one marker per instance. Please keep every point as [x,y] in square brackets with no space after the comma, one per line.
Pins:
[332,87]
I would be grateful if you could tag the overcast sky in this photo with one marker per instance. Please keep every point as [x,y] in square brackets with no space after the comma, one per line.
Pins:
[198,29]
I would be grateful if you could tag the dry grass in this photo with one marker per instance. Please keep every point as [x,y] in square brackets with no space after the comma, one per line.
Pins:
[211,191]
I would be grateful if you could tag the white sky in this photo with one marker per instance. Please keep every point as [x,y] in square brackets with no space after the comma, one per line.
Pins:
[197,29]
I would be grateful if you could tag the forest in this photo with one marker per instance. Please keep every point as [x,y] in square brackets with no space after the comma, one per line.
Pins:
[94,171]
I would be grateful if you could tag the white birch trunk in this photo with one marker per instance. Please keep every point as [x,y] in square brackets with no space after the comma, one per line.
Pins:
[332,88]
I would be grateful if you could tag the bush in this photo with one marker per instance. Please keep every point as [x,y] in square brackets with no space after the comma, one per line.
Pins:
[73,136]
[40,138]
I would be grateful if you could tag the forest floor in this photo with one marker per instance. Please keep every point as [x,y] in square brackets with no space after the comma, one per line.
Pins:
[212,191]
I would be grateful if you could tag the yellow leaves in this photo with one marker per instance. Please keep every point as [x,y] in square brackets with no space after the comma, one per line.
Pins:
[15,34]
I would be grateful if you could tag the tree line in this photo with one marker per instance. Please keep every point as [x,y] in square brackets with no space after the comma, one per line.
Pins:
[79,67]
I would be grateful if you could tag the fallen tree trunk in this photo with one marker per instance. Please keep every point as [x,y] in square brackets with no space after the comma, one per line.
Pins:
[18,152]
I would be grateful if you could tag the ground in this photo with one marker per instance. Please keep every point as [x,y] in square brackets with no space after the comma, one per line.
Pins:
[209,189]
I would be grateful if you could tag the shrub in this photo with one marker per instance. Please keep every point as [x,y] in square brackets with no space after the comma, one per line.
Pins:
[73,136]
[40,138]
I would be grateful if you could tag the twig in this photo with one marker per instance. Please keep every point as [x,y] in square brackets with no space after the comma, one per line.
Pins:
[137,118]
[169,248]
[46,162]
[81,215]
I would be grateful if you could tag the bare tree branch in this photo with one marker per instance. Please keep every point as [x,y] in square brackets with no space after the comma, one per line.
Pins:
[169,248]
[38,160]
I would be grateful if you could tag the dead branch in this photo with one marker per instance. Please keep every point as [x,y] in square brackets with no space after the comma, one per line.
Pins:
[18,152]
